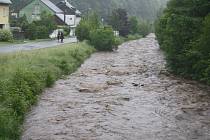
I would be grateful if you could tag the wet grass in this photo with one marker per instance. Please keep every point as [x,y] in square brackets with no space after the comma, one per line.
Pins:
[24,75]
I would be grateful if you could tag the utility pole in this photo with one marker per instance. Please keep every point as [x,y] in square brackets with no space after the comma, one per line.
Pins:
[102,20]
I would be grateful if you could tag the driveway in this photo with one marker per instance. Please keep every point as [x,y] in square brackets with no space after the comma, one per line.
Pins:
[34,45]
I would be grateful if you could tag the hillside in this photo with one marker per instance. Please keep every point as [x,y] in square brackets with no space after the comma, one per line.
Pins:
[146,9]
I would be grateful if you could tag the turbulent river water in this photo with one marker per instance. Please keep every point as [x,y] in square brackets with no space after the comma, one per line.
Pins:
[123,95]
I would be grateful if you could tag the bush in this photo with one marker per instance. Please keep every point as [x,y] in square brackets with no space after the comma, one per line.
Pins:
[86,25]
[42,32]
[5,35]
[118,41]
[31,32]
[66,30]
[83,31]
[39,29]
[144,28]
[102,39]
[184,35]
[9,128]
[24,75]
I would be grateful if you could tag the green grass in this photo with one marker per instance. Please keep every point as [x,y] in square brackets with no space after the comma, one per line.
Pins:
[24,75]
[133,37]
[130,37]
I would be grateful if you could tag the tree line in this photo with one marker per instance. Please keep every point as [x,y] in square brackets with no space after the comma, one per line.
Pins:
[39,29]
[145,9]
[183,32]
[101,34]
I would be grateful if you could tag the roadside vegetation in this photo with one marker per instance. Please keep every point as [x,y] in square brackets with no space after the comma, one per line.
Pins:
[24,75]
[5,35]
[39,29]
[129,26]
[183,32]
[106,36]
[100,36]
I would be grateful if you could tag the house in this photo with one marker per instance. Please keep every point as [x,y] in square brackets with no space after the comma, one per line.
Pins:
[4,14]
[64,13]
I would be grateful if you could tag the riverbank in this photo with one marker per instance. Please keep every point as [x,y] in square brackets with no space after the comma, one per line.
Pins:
[127,94]
[24,75]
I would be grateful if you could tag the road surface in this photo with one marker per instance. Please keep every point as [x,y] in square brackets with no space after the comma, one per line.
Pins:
[34,45]
[124,95]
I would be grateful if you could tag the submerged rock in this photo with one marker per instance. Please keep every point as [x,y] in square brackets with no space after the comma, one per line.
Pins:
[85,87]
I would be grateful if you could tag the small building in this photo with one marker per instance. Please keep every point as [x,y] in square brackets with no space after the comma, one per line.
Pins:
[4,14]
[64,13]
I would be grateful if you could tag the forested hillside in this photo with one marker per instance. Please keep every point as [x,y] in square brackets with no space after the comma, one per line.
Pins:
[146,9]
[184,34]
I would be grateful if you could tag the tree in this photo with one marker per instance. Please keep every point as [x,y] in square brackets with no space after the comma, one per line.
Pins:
[82,31]
[88,23]
[119,21]
[134,25]
[183,33]
[40,29]
[102,39]
[21,22]
[31,32]
[46,20]
[140,27]
[93,20]
[144,28]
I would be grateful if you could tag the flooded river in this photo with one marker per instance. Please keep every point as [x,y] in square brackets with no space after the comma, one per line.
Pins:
[123,95]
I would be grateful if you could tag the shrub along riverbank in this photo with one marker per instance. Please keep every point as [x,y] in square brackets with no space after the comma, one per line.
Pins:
[102,36]
[24,75]
[183,32]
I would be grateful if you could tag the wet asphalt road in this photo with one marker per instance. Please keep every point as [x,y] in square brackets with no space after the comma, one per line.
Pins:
[34,45]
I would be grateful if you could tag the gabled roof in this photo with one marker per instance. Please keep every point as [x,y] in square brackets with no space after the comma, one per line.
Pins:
[77,12]
[69,5]
[5,1]
[52,6]
[64,4]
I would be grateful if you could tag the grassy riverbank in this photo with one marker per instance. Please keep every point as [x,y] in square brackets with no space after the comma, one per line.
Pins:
[24,75]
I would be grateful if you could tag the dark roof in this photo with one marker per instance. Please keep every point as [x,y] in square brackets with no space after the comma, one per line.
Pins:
[56,8]
[69,9]
[52,6]
[5,1]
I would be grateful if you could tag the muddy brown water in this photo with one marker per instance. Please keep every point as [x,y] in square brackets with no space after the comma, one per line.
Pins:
[124,95]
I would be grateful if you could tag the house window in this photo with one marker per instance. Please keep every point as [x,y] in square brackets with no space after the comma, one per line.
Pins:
[36,10]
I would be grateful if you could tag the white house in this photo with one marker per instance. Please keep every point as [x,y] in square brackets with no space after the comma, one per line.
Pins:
[70,15]
[64,12]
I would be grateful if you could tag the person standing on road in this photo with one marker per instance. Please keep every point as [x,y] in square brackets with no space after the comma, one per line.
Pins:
[61,37]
